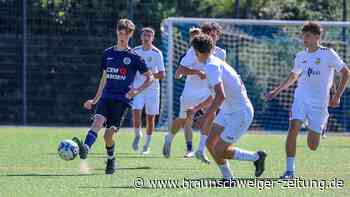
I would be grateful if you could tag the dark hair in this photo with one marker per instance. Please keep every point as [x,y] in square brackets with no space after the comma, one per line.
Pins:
[202,43]
[312,27]
[126,24]
[210,26]
[148,29]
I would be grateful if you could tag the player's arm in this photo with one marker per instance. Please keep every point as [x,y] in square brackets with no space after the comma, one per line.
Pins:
[292,77]
[344,79]
[161,69]
[89,103]
[183,70]
[148,81]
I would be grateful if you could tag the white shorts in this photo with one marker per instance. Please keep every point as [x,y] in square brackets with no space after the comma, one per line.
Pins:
[235,123]
[315,117]
[191,100]
[149,99]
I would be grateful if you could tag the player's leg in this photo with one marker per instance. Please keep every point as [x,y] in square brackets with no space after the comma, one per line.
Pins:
[137,107]
[206,128]
[152,103]
[90,138]
[176,125]
[150,119]
[188,135]
[117,111]
[317,118]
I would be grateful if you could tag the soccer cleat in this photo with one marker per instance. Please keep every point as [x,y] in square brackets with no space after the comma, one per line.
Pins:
[136,143]
[166,148]
[146,150]
[202,157]
[110,166]
[189,154]
[83,149]
[260,163]
[288,175]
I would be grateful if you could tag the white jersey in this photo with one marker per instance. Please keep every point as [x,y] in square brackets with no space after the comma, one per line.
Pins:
[154,62]
[193,82]
[236,94]
[316,72]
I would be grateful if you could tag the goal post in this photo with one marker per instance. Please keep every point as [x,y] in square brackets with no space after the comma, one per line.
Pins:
[262,52]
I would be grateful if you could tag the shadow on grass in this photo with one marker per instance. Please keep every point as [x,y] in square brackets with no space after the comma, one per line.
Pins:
[47,175]
[135,168]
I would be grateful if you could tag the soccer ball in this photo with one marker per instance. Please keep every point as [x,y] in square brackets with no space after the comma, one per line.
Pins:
[68,150]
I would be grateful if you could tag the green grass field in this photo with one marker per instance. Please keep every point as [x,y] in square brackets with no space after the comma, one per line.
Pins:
[29,166]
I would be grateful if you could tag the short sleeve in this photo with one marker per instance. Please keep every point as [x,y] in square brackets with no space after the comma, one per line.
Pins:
[141,65]
[160,62]
[336,61]
[104,61]
[298,66]
[214,74]
[189,59]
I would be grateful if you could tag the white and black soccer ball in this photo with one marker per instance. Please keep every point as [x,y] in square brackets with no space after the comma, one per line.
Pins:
[68,150]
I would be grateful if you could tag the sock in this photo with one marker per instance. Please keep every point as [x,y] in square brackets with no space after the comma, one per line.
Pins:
[189,146]
[110,152]
[245,155]
[90,138]
[290,164]
[169,137]
[225,170]
[138,132]
[147,140]
[202,142]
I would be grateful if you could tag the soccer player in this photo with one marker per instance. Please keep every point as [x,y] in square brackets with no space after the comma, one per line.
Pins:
[236,112]
[195,80]
[119,66]
[313,69]
[150,97]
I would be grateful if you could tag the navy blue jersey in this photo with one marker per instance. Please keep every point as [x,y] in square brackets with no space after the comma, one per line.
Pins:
[121,67]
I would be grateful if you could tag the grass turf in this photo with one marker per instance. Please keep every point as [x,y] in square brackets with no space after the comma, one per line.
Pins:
[29,166]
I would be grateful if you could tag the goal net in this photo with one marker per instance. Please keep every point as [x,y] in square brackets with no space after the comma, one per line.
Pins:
[262,52]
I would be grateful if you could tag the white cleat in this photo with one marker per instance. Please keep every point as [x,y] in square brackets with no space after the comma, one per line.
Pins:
[202,157]
[189,155]
[146,150]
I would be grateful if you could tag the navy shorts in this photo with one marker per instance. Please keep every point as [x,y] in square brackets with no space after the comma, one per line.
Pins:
[113,110]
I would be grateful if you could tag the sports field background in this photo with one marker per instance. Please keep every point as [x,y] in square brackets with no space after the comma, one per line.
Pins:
[29,165]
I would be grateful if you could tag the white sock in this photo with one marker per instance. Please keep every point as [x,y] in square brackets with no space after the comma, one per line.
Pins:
[202,142]
[147,140]
[138,132]
[225,170]
[245,155]
[290,164]
[169,137]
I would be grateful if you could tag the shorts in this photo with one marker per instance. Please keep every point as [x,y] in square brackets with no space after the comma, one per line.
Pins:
[190,100]
[149,100]
[113,110]
[235,123]
[315,116]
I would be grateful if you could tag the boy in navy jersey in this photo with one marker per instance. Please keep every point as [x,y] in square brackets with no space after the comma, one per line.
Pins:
[114,95]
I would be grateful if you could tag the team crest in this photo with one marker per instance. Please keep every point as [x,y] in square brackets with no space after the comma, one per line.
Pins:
[318,61]
[149,59]
[126,60]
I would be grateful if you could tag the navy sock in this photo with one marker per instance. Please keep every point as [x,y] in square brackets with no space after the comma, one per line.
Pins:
[90,138]
[189,146]
[110,152]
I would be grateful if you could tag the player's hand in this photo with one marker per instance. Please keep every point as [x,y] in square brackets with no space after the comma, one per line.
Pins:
[334,102]
[89,104]
[132,93]
[269,96]
[201,75]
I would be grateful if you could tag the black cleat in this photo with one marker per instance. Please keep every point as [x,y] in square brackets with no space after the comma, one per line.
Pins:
[110,167]
[260,163]
[83,150]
